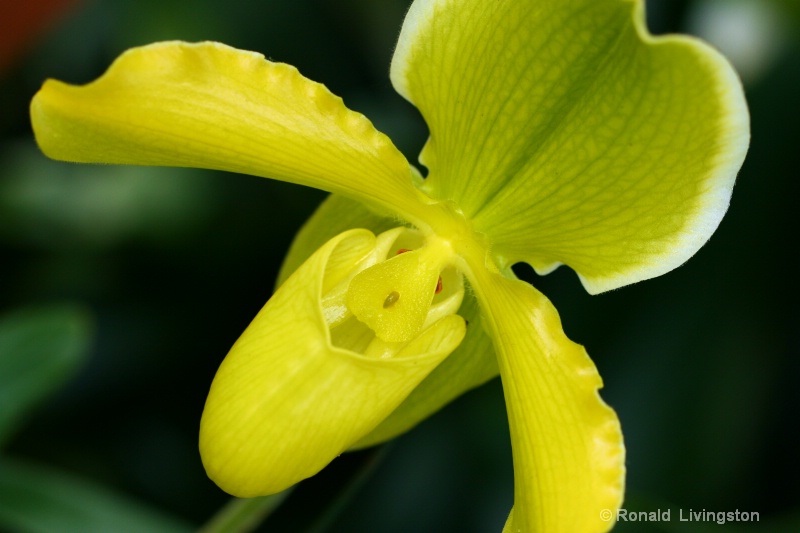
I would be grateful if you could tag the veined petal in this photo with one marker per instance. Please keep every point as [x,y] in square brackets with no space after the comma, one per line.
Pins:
[470,365]
[569,457]
[286,401]
[568,134]
[208,105]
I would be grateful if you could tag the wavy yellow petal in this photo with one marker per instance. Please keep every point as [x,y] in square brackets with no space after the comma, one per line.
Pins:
[569,135]
[569,457]
[208,105]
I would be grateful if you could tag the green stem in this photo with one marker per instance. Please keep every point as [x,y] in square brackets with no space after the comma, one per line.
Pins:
[241,515]
[355,484]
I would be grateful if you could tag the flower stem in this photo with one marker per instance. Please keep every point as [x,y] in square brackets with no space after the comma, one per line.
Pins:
[324,522]
[241,515]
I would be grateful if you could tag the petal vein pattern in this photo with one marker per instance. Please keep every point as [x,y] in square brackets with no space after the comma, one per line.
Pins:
[561,132]
[208,105]
[569,135]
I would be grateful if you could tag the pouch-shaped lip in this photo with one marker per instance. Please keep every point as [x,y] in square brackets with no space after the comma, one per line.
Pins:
[286,401]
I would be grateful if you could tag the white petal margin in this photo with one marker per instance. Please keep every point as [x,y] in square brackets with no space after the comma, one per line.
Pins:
[601,190]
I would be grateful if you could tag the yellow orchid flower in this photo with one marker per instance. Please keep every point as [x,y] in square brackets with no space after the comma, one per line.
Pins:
[561,132]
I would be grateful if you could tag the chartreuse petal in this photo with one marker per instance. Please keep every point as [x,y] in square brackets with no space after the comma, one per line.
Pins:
[208,105]
[287,400]
[569,458]
[470,365]
[567,134]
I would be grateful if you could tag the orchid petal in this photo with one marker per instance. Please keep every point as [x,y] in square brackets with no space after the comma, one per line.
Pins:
[471,364]
[566,442]
[569,135]
[286,401]
[208,105]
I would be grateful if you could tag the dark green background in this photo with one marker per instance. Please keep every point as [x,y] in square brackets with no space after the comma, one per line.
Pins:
[701,364]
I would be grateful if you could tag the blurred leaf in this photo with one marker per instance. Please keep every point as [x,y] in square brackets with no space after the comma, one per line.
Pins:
[753,35]
[35,499]
[56,205]
[40,349]
[792,8]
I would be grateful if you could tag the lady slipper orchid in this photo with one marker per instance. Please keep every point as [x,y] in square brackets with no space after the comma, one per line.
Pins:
[561,132]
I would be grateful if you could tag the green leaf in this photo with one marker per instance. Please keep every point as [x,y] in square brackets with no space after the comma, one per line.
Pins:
[40,349]
[36,499]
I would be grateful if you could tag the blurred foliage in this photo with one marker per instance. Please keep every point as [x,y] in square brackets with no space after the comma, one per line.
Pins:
[40,349]
[35,499]
[701,364]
